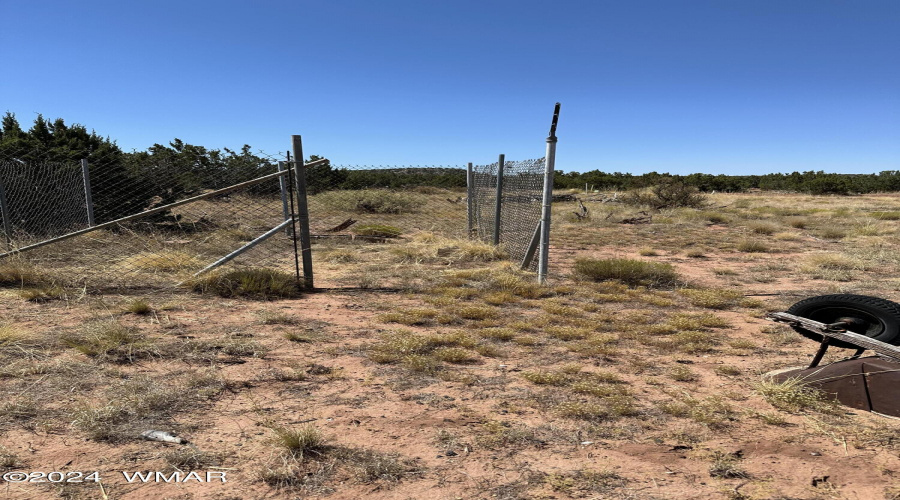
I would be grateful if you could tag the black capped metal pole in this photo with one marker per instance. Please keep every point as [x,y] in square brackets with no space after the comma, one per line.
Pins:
[549,166]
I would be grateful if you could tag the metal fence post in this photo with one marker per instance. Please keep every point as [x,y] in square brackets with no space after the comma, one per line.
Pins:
[499,202]
[283,185]
[549,165]
[88,201]
[4,214]
[302,211]
[470,199]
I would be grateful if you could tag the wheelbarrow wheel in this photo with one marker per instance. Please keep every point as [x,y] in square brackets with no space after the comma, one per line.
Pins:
[870,316]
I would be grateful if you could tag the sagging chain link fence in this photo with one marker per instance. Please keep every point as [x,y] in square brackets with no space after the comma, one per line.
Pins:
[158,217]
[167,243]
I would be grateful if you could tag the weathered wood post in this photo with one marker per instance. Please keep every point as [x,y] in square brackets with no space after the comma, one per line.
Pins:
[302,211]
[498,208]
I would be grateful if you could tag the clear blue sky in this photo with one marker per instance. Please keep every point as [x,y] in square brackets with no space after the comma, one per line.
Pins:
[716,86]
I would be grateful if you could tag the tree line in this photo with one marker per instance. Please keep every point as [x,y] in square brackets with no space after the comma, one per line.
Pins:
[801,182]
[127,182]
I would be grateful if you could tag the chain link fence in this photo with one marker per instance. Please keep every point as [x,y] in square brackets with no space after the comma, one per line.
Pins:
[521,187]
[139,242]
[162,218]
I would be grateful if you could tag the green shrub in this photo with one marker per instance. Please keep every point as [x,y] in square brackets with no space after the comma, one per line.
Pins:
[670,193]
[628,271]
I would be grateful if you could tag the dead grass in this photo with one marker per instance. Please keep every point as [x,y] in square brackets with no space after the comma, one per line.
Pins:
[752,246]
[136,404]
[139,306]
[727,466]
[163,261]
[715,298]
[794,396]
[18,273]
[629,272]
[248,283]
[111,341]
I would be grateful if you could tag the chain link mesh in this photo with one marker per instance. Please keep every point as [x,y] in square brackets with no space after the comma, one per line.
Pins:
[364,204]
[520,209]
[46,199]
[42,199]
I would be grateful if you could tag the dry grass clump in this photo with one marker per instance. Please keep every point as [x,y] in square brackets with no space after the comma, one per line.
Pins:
[338,256]
[503,435]
[140,403]
[752,246]
[833,233]
[299,443]
[257,283]
[608,395]
[795,396]
[394,346]
[421,352]
[138,306]
[682,373]
[454,355]
[827,261]
[628,271]
[109,340]
[18,273]
[694,321]
[786,236]
[43,293]
[186,459]
[585,483]
[163,261]
[886,215]
[713,411]
[410,317]
[378,230]
[760,227]
[797,222]
[712,298]
[309,460]
[726,466]
[8,459]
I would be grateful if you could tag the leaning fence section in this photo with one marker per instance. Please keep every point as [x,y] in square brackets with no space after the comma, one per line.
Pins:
[514,190]
[144,221]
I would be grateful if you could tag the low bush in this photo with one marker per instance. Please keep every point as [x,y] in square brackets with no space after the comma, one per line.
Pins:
[670,193]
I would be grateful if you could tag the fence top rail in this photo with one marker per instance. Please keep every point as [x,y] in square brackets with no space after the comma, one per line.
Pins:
[157,210]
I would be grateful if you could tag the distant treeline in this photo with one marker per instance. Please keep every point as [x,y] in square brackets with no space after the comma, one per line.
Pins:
[126,181]
[805,182]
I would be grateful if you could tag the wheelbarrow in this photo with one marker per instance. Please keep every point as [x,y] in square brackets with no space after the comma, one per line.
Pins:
[856,322]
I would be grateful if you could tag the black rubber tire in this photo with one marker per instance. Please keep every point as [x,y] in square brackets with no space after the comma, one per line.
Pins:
[878,318]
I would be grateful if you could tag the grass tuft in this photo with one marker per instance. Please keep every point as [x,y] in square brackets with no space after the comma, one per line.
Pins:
[795,396]
[378,230]
[109,340]
[628,271]
[259,283]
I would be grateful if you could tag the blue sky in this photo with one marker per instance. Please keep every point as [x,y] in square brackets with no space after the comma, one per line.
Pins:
[717,86]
